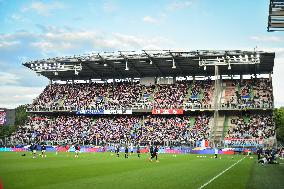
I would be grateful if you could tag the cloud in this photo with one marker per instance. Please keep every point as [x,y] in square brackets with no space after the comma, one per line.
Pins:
[179,5]
[44,9]
[13,96]
[8,78]
[55,41]
[20,85]
[265,38]
[17,18]
[8,44]
[149,19]
[110,7]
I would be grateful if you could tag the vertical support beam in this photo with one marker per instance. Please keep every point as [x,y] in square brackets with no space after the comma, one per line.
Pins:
[50,83]
[216,105]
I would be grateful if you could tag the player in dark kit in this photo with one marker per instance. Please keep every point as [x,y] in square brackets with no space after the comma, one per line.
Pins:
[155,153]
[138,151]
[151,152]
[117,150]
[126,151]
[259,153]
[33,149]
[43,150]
[77,150]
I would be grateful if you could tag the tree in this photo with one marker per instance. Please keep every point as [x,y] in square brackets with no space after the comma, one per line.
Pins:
[7,131]
[21,118]
[279,123]
[21,115]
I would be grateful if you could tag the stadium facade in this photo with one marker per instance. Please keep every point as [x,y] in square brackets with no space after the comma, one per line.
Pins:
[198,98]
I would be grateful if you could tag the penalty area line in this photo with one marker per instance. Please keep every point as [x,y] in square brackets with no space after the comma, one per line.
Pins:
[220,174]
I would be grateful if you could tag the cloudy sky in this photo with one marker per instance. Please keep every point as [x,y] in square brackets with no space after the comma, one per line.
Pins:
[35,29]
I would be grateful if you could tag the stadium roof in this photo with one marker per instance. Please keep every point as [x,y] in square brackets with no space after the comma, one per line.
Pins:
[276,16]
[153,63]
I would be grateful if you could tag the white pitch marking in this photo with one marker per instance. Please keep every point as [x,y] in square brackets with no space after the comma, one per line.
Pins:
[220,174]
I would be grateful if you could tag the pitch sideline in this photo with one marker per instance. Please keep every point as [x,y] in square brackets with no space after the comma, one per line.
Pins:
[220,174]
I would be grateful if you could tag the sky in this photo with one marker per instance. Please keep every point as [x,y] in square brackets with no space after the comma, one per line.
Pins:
[33,29]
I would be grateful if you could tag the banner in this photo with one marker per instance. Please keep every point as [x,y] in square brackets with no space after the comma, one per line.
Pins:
[39,119]
[167,111]
[242,142]
[101,111]
[118,112]
[2,117]
[90,112]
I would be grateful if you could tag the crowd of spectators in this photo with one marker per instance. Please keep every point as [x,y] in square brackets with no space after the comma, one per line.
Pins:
[88,96]
[182,129]
[198,94]
[255,126]
[170,96]
[114,129]
[253,93]
[201,95]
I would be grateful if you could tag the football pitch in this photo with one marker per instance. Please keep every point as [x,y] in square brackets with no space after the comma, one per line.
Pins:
[104,170]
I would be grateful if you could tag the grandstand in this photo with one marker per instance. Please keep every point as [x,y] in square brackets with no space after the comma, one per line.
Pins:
[276,16]
[191,98]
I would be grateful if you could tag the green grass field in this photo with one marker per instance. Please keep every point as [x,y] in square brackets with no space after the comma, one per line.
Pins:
[103,170]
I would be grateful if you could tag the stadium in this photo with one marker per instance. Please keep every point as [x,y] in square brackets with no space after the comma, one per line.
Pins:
[148,118]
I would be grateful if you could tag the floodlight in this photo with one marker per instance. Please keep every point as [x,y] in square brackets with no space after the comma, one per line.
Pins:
[246,58]
[174,64]
[241,58]
[126,66]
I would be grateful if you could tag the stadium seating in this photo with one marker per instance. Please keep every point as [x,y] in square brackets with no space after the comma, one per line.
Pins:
[256,126]
[199,94]
[253,93]
[114,129]
[144,128]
